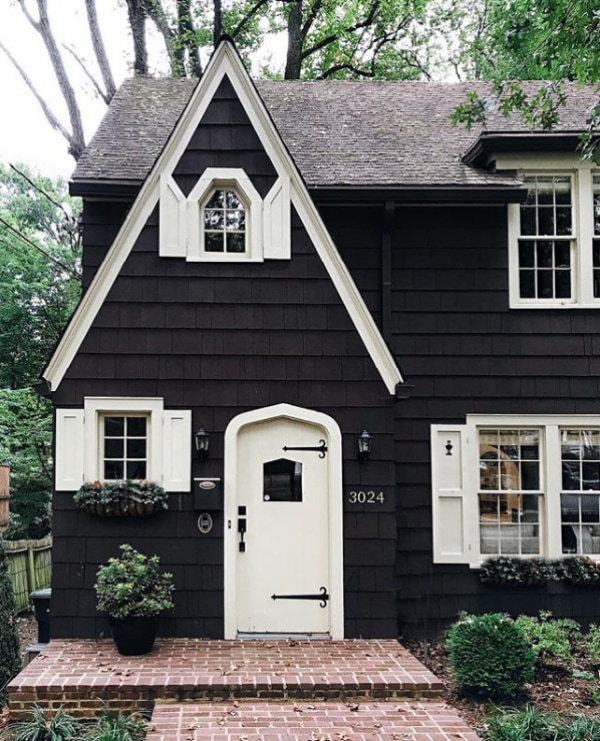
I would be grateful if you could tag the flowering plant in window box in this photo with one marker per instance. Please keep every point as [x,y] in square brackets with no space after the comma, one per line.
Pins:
[121,498]
[580,570]
[514,571]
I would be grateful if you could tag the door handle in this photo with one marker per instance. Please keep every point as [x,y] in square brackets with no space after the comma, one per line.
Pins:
[241,531]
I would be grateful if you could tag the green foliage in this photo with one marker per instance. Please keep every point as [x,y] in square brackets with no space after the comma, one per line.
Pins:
[62,726]
[533,725]
[26,446]
[132,585]
[507,570]
[489,655]
[551,639]
[121,497]
[591,644]
[580,570]
[10,660]
[39,285]
[111,726]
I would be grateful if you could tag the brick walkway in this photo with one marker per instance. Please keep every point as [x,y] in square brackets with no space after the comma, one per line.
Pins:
[301,721]
[276,689]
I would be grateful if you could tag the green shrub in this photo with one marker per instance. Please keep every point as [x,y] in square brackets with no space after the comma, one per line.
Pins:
[10,660]
[551,638]
[591,643]
[112,726]
[44,726]
[489,655]
[534,725]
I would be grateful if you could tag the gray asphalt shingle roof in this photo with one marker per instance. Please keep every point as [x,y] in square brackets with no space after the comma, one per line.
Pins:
[340,133]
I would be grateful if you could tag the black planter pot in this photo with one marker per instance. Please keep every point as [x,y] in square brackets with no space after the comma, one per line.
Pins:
[134,636]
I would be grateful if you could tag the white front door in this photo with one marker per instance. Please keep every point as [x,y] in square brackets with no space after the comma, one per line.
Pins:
[280,529]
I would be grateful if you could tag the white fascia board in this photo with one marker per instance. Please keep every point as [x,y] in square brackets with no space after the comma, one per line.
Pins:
[224,62]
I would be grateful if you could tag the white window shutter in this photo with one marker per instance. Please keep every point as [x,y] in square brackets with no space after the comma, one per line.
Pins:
[277,221]
[452,501]
[173,221]
[68,462]
[177,450]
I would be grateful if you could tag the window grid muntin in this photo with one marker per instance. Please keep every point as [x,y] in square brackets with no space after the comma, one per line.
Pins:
[224,219]
[133,467]
[543,279]
[580,491]
[510,494]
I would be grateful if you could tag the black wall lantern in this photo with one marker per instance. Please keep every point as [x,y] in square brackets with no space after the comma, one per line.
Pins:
[364,442]
[202,443]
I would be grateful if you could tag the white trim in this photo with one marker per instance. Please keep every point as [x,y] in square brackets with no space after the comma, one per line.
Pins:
[236,179]
[581,173]
[97,406]
[336,561]
[225,61]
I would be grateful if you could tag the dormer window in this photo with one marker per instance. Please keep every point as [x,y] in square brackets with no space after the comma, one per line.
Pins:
[224,223]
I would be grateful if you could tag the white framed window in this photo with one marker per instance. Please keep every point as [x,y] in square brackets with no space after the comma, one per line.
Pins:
[223,222]
[123,446]
[553,234]
[518,486]
[225,218]
[112,438]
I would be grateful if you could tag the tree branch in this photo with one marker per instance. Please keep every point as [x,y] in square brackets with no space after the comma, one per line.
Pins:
[314,11]
[87,73]
[48,113]
[351,29]
[76,139]
[247,18]
[100,51]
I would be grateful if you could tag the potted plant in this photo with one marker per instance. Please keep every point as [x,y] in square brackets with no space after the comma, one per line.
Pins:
[121,498]
[580,570]
[133,592]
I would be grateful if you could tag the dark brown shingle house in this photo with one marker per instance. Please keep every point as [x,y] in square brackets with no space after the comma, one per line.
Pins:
[286,265]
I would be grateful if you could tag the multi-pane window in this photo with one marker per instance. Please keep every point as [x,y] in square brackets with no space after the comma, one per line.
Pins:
[509,491]
[580,491]
[224,221]
[124,448]
[546,240]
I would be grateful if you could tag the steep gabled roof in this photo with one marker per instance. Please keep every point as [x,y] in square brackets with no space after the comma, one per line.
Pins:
[341,134]
[224,63]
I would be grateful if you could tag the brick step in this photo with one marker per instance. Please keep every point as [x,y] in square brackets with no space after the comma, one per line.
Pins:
[308,721]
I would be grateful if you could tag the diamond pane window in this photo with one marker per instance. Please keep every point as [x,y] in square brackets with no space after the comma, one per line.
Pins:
[224,220]
[125,447]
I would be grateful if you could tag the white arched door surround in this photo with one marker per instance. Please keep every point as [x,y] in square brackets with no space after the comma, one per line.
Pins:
[290,503]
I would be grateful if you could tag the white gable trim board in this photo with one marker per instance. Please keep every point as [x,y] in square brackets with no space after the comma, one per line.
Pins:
[225,62]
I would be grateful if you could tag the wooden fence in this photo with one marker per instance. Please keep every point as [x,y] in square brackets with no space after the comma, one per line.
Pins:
[29,566]
[4,496]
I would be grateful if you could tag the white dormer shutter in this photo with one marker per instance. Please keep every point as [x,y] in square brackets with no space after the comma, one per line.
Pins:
[277,221]
[173,219]
[177,450]
[68,461]
[452,506]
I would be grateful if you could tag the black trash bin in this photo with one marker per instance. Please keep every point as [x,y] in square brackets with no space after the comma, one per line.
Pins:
[41,604]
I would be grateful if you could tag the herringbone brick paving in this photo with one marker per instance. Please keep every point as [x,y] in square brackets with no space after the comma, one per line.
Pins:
[257,690]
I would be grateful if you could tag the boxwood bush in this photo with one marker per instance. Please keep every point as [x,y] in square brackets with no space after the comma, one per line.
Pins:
[489,654]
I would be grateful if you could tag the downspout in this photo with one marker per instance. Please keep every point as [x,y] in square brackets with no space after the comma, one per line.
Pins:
[386,271]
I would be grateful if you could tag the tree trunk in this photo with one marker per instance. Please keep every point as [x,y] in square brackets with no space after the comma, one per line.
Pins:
[137,23]
[100,52]
[187,36]
[218,25]
[294,53]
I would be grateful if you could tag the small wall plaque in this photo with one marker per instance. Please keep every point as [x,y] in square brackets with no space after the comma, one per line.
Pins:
[205,523]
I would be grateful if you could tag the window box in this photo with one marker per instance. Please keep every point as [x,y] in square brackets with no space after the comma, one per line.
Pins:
[121,498]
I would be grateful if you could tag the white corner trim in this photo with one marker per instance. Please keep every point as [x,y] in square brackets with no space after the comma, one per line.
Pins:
[236,179]
[334,443]
[225,62]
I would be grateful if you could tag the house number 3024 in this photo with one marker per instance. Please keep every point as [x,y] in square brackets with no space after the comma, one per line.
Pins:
[366,497]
